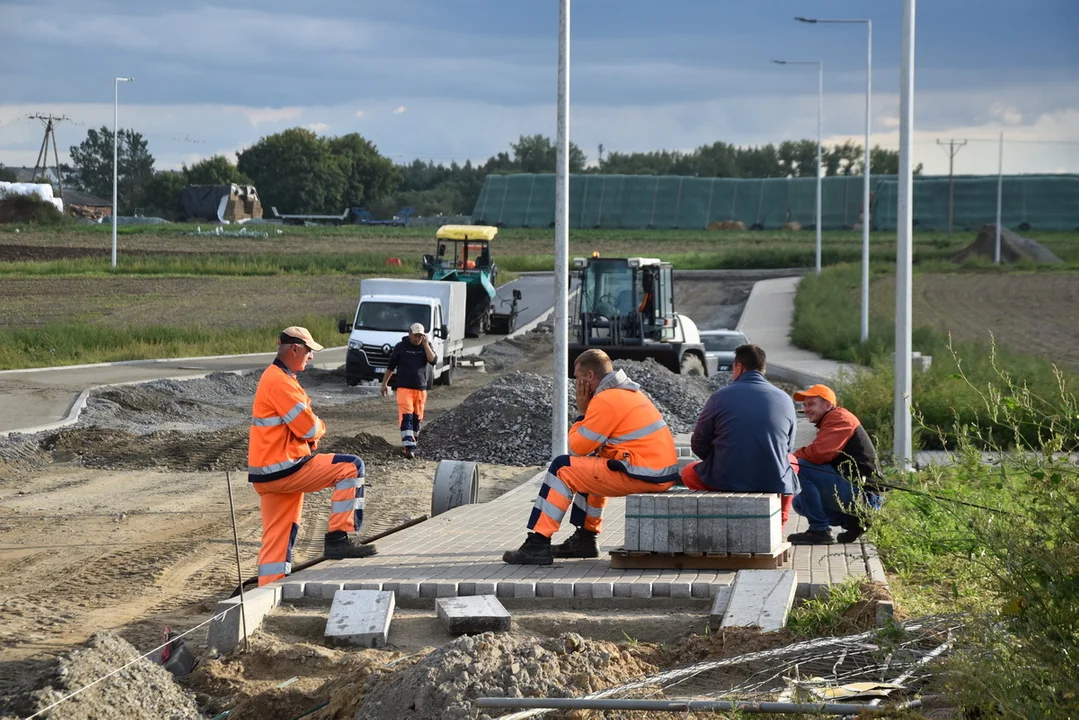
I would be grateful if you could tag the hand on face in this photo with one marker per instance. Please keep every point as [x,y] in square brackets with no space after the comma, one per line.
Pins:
[584,393]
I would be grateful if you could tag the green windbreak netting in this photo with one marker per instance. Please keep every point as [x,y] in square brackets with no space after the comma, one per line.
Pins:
[1043,202]
[1048,202]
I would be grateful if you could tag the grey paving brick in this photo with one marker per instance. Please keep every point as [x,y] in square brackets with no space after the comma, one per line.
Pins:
[292,591]
[477,614]
[360,617]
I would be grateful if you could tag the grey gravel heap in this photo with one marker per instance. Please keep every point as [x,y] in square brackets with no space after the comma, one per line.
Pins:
[508,422]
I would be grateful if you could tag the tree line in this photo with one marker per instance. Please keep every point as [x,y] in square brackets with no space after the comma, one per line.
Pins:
[299,171]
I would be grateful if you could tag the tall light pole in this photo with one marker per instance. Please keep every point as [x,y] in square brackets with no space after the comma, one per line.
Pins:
[115,153]
[865,178]
[820,115]
[559,403]
[902,445]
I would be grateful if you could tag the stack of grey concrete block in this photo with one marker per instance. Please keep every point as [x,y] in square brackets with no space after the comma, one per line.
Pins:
[681,521]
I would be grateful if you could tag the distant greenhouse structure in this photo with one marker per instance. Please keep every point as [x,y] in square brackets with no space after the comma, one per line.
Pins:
[1042,202]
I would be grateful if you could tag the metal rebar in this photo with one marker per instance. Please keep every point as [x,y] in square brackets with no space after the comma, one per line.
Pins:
[239,568]
[670,705]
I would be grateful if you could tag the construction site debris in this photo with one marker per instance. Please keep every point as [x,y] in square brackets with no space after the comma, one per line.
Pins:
[141,690]
[442,684]
[727,225]
[1013,247]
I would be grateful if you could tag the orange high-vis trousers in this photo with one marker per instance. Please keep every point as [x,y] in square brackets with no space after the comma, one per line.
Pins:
[693,481]
[585,483]
[410,404]
[282,505]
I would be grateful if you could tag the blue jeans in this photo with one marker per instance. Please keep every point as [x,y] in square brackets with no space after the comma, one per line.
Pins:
[827,498]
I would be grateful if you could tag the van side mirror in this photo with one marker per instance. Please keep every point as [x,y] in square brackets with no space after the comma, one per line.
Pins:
[441,331]
[344,327]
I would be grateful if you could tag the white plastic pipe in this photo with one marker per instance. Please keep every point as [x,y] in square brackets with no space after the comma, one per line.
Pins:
[1000,197]
[865,180]
[115,153]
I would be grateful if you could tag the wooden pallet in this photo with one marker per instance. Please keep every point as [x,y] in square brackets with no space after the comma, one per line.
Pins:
[632,559]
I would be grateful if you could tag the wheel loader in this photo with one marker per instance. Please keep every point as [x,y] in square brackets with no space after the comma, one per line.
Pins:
[625,306]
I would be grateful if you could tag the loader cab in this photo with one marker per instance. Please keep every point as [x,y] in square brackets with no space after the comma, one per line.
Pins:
[624,300]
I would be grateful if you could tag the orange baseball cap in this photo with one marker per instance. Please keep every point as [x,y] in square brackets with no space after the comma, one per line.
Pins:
[297,334]
[821,391]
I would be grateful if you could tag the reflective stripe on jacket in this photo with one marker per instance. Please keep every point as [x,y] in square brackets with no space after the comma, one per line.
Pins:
[283,426]
[623,425]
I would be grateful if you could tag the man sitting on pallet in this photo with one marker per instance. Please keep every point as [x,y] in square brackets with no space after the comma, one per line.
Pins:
[745,434]
[619,445]
[837,471]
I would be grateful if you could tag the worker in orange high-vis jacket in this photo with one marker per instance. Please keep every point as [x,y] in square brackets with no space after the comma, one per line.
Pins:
[282,464]
[410,366]
[619,445]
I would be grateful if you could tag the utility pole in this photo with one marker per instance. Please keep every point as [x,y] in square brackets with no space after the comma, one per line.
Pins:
[953,148]
[50,122]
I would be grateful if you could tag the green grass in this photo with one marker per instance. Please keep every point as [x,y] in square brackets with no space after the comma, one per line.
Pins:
[368,263]
[76,343]
[827,614]
[944,397]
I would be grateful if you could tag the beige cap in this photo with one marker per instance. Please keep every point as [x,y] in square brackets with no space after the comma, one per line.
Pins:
[297,334]
[416,329]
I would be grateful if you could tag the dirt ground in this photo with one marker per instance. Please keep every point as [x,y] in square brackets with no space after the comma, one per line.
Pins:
[1028,313]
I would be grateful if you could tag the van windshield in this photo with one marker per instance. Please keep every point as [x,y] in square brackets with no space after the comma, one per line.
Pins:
[721,343]
[392,316]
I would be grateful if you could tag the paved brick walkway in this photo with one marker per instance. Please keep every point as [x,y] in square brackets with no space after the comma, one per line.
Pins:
[460,553]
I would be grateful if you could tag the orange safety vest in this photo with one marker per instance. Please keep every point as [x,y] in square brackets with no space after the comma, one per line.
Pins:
[283,426]
[623,425]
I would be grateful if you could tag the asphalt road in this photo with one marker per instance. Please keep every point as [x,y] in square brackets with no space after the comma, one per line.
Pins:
[38,398]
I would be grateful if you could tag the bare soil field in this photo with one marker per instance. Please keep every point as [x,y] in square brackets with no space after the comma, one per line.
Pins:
[1028,313]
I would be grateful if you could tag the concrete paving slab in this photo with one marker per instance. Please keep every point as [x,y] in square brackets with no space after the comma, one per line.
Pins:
[760,598]
[472,615]
[228,625]
[360,617]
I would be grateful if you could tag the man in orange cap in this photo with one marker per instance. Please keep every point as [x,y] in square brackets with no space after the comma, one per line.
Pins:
[282,464]
[837,471]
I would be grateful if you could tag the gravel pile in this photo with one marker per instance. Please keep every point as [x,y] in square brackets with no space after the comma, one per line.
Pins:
[441,685]
[508,422]
[679,397]
[142,691]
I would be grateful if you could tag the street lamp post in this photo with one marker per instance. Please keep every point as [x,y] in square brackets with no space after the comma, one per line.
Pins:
[559,403]
[820,114]
[865,178]
[115,153]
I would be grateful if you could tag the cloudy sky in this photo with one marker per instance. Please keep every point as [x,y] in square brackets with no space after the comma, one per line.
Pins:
[460,79]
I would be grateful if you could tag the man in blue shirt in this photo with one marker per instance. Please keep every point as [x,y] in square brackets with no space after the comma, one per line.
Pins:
[745,435]
[410,367]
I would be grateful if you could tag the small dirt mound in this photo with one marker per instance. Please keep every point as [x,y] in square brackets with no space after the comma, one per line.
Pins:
[29,209]
[142,690]
[441,685]
[1013,247]
[109,449]
[366,446]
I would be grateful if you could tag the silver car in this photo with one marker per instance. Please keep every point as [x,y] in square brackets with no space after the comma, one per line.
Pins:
[719,347]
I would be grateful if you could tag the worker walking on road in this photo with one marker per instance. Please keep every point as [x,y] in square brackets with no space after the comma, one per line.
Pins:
[410,362]
[619,445]
[282,464]
[837,471]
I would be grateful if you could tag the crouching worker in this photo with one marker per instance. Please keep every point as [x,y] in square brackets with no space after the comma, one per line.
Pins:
[282,464]
[619,445]
[837,471]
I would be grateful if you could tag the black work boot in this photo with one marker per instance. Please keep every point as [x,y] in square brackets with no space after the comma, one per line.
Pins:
[340,545]
[536,550]
[812,537]
[852,529]
[410,453]
[581,544]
